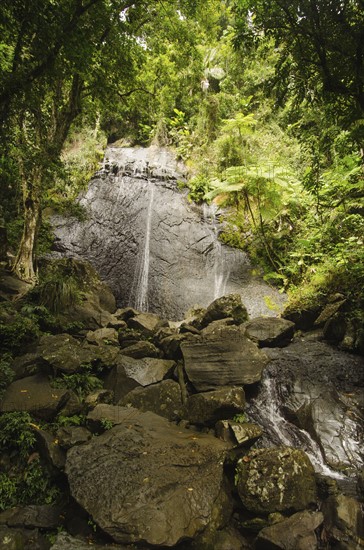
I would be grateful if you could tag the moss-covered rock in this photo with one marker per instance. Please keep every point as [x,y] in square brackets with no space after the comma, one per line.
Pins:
[276,480]
[226,306]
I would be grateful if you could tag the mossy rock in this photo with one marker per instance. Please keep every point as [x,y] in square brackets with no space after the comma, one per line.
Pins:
[276,480]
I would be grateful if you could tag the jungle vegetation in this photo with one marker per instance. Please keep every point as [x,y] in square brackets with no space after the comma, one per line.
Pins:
[263,101]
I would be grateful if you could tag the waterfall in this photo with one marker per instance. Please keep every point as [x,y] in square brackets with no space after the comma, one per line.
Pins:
[141,278]
[265,409]
[156,250]
[221,268]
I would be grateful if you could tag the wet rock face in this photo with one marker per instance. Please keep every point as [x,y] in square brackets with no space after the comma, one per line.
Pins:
[318,389]
[150,245]
[147,480]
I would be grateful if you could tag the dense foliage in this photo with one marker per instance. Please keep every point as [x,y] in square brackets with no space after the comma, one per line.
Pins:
[263,101]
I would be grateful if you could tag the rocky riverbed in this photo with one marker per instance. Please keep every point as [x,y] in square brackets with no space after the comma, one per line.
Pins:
[217,432]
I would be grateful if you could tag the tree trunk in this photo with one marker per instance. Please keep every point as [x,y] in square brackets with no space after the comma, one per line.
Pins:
[24,263]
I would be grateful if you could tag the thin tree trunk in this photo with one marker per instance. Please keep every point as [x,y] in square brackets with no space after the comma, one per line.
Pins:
[24,263]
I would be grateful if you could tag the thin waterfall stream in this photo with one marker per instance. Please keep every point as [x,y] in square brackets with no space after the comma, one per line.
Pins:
[221,267]
[141,282]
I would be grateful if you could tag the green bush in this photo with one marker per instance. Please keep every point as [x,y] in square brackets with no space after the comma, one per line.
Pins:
[82,383]
[16,331]
[6,373]
[16,433]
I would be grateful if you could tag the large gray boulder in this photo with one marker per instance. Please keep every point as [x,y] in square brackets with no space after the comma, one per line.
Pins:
[64,541]
[208,407]
[279,479]
[63,353]
[238,433]
[147,323]
[225,357]
[270,331]
[230,306]
[147,480]
[35,395]
[344,520]
[164,399]
[141,349]
[144,371]
[294,533]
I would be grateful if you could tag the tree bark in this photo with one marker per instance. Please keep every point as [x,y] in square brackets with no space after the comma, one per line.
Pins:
[24,263]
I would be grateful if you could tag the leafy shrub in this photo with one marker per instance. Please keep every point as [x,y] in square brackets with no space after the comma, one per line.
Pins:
[82,383]
[17,331]
[16,433]
[75,420]
[6,373]
[59,286]
[26,485]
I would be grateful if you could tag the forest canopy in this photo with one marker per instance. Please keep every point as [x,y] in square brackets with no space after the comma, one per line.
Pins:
[263,100]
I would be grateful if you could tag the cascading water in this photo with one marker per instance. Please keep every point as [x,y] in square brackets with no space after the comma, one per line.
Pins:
[141,280]
[221,267]
[266,411]
[308,399]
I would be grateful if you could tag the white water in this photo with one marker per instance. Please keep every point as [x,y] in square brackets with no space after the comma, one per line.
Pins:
[141,280]
[221,269]
[265,409]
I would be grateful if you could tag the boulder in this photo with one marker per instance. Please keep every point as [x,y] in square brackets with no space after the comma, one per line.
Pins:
[64,541]
[125,313]
[329,311]
[69,436]
[208,407]
[63,353]
[223,358]
[26,365]
[171,346]
[22,539]
[118,380]
[50,450]
[106,414]
[116,323]
[146,323]
[147,480]
[141,349]
[304,319]
[294,533]
[335,328]
[215,325]
[238,433]
[35,395]
[147,370]
[98,396]
[102,336]
[45,516]
[270,331]
[227,306]
[223,539]
[276,480]
[163,399]
[128,337]
[344,518]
